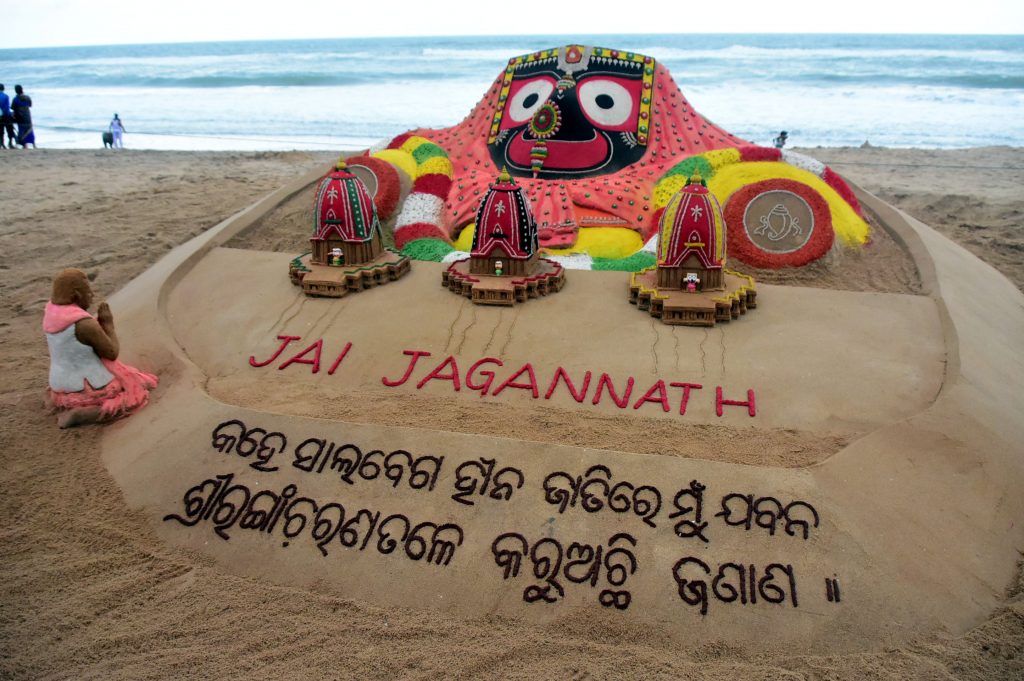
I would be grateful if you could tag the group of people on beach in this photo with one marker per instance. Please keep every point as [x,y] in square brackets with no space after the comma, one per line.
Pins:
[18,112]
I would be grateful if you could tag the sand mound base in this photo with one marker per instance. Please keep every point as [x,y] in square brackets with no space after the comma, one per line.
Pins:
[904,407]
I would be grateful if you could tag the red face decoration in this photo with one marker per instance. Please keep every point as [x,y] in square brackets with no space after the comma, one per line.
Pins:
[572,112]
[587,130]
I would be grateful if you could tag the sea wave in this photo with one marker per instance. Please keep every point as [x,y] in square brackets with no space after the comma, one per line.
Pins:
[740,52]
[301,79]
[498,56]
[202,60]
[892,90]
[347,75]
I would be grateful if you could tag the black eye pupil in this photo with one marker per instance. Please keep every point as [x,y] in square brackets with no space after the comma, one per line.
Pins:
[530,100]
[605,101]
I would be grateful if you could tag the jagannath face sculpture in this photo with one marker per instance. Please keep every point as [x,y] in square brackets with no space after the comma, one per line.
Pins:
[572,112]
[600,139]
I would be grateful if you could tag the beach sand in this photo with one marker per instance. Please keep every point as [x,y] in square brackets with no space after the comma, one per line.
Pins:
[87,590]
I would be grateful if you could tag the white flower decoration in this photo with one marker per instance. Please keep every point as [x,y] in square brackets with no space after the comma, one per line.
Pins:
[811,165]
[420,207]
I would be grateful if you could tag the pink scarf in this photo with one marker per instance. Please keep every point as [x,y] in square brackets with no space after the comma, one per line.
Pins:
[56,318]
[126,393]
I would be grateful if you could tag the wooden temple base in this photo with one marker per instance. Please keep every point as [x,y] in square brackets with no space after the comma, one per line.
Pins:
[700,308]
[482,289]
[337,281]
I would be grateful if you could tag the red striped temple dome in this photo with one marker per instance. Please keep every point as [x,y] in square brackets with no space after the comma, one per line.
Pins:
[343,208]
[692,224]
[505,223]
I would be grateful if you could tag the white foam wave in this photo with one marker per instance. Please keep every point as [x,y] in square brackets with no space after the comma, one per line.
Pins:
[499,56]
[740,52]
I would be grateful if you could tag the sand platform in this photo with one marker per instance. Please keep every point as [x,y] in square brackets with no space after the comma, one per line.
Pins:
[275,446]
[484,289]
[337,281]
[698,308]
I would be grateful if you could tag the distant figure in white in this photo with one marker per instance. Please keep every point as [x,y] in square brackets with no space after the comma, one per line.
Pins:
[117,131]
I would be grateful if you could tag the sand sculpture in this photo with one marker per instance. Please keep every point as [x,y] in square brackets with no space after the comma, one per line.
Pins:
[504,267]
[600,140]
[87,383]
[461,457]
[579,461]
[690,284]
[347,254]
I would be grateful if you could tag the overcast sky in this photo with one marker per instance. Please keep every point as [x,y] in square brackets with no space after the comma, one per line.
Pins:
[42,23]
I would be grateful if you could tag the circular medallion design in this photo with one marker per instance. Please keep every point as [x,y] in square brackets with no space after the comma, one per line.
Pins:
[778,223]
[546,121]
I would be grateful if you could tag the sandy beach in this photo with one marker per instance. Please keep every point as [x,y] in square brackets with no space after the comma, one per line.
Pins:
[87,589]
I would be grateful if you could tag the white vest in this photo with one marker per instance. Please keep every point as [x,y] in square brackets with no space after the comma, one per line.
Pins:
[71,362]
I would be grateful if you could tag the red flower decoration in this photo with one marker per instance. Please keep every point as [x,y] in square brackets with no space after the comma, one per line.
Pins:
[389,188]
[742,245]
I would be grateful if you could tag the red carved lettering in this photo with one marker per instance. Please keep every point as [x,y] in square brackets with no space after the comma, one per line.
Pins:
[510,381]
[302,359]
[287,340]
[606,380]
[658,387]
[749,403]
[578,396]
[486,385]
[436,374]
[415,354]
[687,387]
[344,351]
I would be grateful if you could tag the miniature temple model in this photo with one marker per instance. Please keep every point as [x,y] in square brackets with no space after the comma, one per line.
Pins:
[504,267]
[347,254]
[690,284]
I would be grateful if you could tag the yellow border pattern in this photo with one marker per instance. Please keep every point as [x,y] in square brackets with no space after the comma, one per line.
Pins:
[731,296]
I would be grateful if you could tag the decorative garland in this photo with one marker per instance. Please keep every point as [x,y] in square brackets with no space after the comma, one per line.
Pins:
[431,250]
[740,168]
[422,213]
[637,261]
[811,165]
[389,188]
[743,248]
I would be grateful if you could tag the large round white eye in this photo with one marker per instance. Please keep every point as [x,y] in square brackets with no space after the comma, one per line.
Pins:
[528,99]
[605,101]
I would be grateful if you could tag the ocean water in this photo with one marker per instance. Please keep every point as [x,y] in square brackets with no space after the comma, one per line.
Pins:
[828,90]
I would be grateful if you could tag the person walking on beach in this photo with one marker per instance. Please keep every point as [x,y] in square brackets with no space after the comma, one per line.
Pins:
[117,131]
[780,141]
[6,119]
[23,117]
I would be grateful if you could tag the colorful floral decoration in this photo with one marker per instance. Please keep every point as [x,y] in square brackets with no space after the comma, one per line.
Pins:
[382,182]
[763,242]
[738,176]
[599,139]
[421,216]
